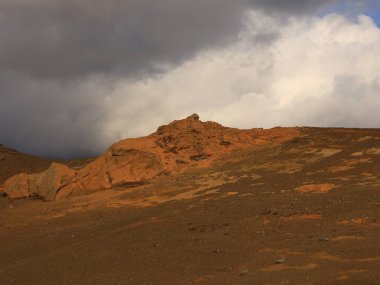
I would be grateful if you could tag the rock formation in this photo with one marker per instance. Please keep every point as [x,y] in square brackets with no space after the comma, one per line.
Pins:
[173,148]
[43,185]
[193,117]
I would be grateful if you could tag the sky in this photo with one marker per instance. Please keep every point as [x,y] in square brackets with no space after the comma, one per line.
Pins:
[77,76]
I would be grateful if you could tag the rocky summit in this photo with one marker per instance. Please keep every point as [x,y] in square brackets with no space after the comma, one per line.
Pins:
[172,149]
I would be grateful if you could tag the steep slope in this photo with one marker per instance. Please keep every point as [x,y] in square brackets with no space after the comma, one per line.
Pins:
[172,149]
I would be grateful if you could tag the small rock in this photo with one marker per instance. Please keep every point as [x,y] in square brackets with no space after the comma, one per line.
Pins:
[226,143]
[266,212]
[260,233]
[280,261]
[323,239]
[193,117]
[243,272]
[2,157]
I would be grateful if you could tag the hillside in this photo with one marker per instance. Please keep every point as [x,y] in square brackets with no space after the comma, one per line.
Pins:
[13,162]
[174,148]
[292,206]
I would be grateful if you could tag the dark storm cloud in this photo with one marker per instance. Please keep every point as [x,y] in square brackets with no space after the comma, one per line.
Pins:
[50,51]
[50,118]
[57,39]
[60,39]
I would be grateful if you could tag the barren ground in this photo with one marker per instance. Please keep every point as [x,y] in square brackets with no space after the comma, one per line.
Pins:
[304,212]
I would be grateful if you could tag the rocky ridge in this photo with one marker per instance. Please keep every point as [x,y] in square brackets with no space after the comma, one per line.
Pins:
[172,149]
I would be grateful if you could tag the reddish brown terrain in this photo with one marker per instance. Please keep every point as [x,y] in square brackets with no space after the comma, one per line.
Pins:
[198,203]
[13,162]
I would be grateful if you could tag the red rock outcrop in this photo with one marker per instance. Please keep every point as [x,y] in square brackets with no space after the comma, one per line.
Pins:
[173,148]
[44,185]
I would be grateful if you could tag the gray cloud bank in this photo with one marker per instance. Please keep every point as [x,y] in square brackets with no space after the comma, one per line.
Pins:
[62,63]
[60,39]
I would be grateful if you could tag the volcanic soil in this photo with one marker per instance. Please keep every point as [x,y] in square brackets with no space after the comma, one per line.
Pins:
[303,211]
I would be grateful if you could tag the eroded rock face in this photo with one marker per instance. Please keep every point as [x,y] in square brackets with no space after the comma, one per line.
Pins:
[117,167]
[172,149]
[44,185]
[17,186]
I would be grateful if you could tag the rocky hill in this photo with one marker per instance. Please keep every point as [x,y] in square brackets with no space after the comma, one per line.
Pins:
[198,203]
[172,149]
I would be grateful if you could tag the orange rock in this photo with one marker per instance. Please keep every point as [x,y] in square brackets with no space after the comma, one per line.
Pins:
[44,185]
[316,188]
[116,167]
[17,186]
[360,220]
[173,148]
[302,217]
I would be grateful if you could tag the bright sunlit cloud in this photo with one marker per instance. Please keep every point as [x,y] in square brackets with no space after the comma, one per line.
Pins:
[317,72]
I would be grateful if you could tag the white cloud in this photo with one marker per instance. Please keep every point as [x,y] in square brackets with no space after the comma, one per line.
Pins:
[318,71]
